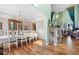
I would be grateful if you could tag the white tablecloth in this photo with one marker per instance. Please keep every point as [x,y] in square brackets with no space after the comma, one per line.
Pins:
[3,39]
[30,34]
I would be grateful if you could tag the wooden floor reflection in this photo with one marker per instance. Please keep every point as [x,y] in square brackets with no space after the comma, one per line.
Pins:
[67,46]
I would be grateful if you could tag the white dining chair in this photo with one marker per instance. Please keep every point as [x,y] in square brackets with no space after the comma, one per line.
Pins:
[12,39]
[1,32]
[2,38]
[17,34]
[35,36]
[22,37]
[25,36]
[31,37]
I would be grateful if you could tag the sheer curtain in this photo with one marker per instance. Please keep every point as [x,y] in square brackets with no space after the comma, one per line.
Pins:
[72,16]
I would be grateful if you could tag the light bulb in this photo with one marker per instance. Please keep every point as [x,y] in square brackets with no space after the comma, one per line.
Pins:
[57,16]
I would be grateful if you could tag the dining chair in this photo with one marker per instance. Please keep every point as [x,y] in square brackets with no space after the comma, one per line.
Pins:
[12,39]
[25,36]
[1,32]
[17,34]
[31,37]
[22,37]
[35,36]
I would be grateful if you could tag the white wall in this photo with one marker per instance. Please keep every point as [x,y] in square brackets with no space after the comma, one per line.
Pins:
[4,19]
[5,24]
[41,27]
[77,16]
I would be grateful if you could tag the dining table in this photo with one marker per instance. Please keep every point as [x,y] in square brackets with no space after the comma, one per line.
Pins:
[30,34]
[3,38]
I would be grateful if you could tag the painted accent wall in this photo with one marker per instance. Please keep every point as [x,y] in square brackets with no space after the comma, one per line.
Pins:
[66,18]
[45,9]
[77,16]
[62,19]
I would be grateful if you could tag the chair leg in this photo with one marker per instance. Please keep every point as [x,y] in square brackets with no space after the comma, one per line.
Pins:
[26,41]
[21,43]
[30,40]
[16,44]
[9,48]
[36,38]
[33,39]
[5,46]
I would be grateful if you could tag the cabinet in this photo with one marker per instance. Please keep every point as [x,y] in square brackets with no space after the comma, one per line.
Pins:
[15,25]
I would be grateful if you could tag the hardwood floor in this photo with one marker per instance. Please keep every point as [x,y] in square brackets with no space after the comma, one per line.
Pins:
[65,47]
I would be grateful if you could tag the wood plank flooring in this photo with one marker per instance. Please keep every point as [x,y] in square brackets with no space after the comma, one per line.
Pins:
[36,48]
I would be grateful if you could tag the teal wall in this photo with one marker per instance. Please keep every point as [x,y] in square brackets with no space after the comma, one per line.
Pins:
[62,19]
[66,18]
[45,9]
[77,16]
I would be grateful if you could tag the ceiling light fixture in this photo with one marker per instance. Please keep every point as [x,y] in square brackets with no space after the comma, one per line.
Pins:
[19,18]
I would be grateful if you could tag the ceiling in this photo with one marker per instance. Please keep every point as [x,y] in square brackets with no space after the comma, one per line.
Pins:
[60,7]
[27,11]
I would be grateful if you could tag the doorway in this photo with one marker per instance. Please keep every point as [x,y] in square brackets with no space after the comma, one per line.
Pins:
[34,26]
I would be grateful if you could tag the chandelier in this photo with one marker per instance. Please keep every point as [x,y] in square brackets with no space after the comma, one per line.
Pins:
[19,17]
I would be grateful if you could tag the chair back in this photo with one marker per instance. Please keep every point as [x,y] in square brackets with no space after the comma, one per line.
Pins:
[11,36]
[1,32]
